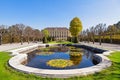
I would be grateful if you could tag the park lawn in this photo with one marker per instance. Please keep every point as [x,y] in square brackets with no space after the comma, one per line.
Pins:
[60,42]
[7,73]
[111,73]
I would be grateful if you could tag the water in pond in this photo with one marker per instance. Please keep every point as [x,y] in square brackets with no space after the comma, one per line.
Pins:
[40,59]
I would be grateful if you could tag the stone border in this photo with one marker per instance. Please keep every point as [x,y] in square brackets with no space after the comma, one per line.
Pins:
[15,62]
[25,49]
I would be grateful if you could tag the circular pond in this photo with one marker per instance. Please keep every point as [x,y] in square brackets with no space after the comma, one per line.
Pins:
[58,62]
[56,58]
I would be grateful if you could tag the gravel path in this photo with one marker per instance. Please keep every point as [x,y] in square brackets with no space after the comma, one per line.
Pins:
[7,47]
[105,46]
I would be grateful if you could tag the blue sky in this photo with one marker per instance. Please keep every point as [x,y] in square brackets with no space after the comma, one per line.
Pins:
[58,13]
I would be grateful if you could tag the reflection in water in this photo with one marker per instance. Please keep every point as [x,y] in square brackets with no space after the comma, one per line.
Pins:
[30,56]
[44,53]
[39,59]
[88,54]
[54,49]
[76,59]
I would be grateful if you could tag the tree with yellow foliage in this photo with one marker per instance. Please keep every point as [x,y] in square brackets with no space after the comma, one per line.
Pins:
[75,28]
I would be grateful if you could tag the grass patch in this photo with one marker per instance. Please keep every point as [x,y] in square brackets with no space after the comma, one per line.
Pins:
[59,63]
[111,73]
[7,73]
[60,42]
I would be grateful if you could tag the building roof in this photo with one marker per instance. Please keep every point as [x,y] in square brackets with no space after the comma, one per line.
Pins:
[54,28]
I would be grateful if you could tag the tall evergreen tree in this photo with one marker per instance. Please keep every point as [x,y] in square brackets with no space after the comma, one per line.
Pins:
[75,28]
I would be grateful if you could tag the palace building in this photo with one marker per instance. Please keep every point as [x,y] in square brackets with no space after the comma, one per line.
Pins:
[58,33]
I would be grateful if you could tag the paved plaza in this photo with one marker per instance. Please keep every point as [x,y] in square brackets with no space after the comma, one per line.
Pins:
[7,47]
[105,46]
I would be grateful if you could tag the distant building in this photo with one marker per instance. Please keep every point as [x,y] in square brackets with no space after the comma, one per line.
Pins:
[58,33]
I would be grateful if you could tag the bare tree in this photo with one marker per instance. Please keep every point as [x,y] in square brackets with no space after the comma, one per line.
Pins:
[28,33]
[84,36]
[104,34]
[92,33]
[2,31]
[13,33]
[99,30]
[37,34]
[112,30]
[33,35]
[21,31]
[88,35]
[81,36]
[0,35]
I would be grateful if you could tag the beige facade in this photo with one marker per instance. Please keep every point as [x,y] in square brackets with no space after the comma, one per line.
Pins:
[58,33]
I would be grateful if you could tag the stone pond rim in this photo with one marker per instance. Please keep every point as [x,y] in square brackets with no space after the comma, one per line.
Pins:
[15,62]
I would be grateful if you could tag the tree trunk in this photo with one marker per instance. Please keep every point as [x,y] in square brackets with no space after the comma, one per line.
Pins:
[11,39]
[45,40]
[110,37]
[85,39]
[0,39]
[28,40]
[33,39]
[21,42]
[76,39]
[88,39]
[103,39]
[21,39]
[93,39]
[100,39]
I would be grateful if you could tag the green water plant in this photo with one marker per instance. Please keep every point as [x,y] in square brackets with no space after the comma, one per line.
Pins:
[75,54]
[60,63]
